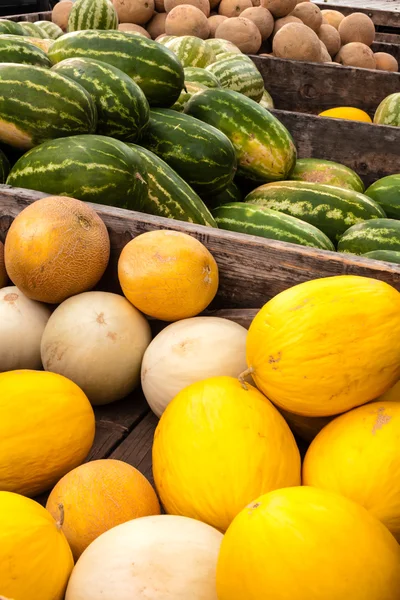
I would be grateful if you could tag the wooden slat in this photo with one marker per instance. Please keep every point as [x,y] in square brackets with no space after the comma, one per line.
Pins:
[311,87]
[252,269]
[385,13]
[393,49]
[31,17]
[388,38]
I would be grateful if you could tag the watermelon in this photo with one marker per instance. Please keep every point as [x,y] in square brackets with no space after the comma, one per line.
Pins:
[316,170]
[266,100]
[219,46]
[388,112]
[386,255]
[168,195]
[192,51]
[49,29]
[230,194]
[378,234]
[332,209]
[260,221]
[264,148]
[41,43]
[235,54]
[92,14]
[15,49]
[201,76]
[11,27]
[153,67]
[203,156]
[32,30]
[93,168]
[37,104]
[122,108]
[165,39]
[188,91]
[239,75]
[386,192]
[4,167]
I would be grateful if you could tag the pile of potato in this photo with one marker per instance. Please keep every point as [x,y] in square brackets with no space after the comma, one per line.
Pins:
[289,29]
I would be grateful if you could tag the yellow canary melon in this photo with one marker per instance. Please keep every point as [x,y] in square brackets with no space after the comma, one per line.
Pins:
[303,543]
[347,112]
[151,558]
[357,455]
[35,559]
[3,272]
[97,496]
[168,275]
[325,346]
[46,429]
[392,394]
[217,447]
[55,248]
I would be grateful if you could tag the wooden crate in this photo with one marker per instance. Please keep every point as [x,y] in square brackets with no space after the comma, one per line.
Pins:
[384,13]
[31,17]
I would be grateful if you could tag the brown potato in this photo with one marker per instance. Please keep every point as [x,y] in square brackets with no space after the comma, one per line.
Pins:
[203,5]
[156,26]
[356,54]
[386,62]
[262,18]
[296,41]
[331,38]
[233,8]
[279,8]
[357,27]
[309,13]
[241,32]
[187,20]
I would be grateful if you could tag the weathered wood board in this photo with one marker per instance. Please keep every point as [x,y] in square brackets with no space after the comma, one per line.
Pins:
[31,17]
[393,49]
[384,13]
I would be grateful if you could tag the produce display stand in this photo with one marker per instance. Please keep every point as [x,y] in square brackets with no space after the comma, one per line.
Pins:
[31,17]
[384,13]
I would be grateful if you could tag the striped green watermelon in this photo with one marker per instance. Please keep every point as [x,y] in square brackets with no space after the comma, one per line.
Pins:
[4,167]
[264,148]
[192,51]
[122,108]
[93,168]
[11,27]
[260,221]
[32,30]
[201,76]
[317,170]
[239,75]
[220,46]
[165,39]
[230,54]
[386,192]
[266,100]
[15,49]
[379,234]
[188,91]
[386,255]
[230,194]
[168,194]
[37,104]
[92,14]
[332,209]
[388,112]
[199,153]
[153,67]
[49,30]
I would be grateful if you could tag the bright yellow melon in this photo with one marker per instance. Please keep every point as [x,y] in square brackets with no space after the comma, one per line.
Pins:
[347,113]
[46,429]
[35,559]
[303,543]
[98,496]
[358,455]
[168,275]
[392,394]
[218,446]
[325,346]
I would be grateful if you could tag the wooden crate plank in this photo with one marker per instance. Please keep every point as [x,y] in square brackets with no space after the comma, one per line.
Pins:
[388,38]
[393,49]
[371,150]
[384,13]
[31,17]
[311,88]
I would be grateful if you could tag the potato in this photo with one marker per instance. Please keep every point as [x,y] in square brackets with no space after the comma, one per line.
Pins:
[356,54]
[214,22]
[60,13]
[186,19]
[156,26]
[203,5]
[332,17]
[262,18]
[296,41]
[279,23]
[331,38]
[309,13]
[357,27]
[233,8]
[279,8]
[134,11]
[241,32]
[386,62]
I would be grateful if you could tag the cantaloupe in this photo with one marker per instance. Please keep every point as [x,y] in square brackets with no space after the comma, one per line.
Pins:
[279,23]
[296,41]
[134,11]
[356,54]
[60,13]
[53,437]
[262,18]
[325,56]
[152,557]
[156,25]
[159,6]
[357,27]
[168,275]
[3,272]
[35,559]
[133,28]
[385,62]
[241,32]
[214,22]
[331,38]
[187,20]
[233,8]
[97,339]
[97,496]
[279,8]
[309,13]
[202,5]
[332,17]
[55,248]
[22,322]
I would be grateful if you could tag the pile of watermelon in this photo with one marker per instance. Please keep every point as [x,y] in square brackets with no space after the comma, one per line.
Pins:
[179,129]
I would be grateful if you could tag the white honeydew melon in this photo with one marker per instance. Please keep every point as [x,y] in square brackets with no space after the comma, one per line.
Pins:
[162,557]
[22,322]
[188,351]
[97,339]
